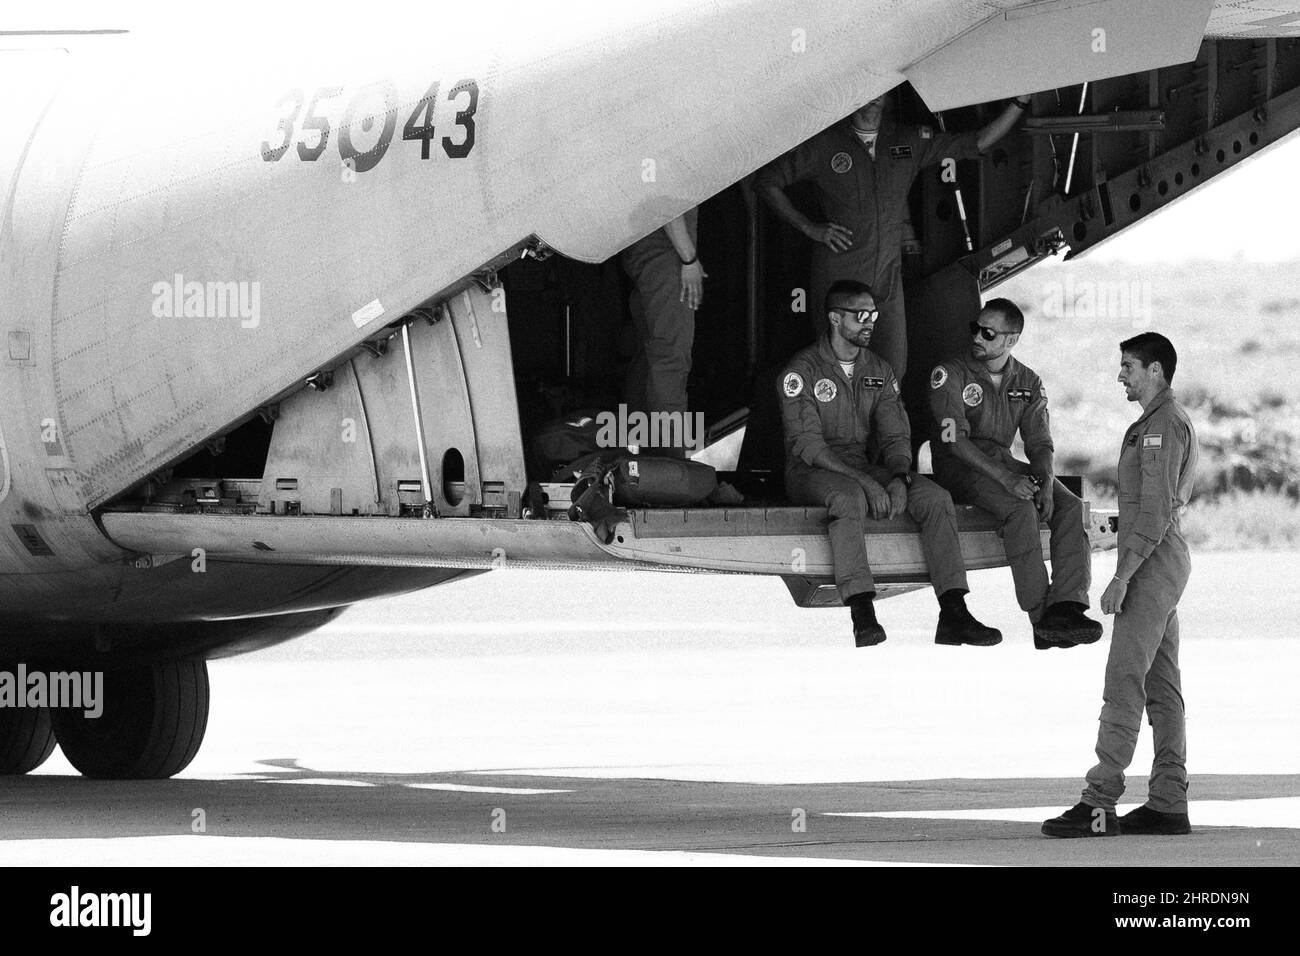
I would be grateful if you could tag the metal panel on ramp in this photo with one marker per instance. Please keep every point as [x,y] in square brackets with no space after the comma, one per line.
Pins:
[353,445]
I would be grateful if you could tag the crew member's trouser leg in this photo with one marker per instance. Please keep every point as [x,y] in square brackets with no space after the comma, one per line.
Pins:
[846,502]
[1071,555]
[931,508]
[1019,533]
[666,332]
[1142,670]
[889,337]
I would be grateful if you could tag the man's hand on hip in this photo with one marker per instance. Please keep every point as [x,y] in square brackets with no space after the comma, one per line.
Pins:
[831,234]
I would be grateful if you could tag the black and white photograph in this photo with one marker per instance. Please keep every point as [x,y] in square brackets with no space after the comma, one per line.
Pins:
[741,433]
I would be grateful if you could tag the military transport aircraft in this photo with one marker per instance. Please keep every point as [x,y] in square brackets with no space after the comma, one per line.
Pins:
[257,354]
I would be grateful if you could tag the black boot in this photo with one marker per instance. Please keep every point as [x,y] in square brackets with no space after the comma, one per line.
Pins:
[867,632]
[1082,820]
[1089,629]
[958,626]
[1064,625]
[1145,821]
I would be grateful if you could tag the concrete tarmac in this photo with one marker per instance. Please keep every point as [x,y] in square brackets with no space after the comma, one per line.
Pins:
[660,719]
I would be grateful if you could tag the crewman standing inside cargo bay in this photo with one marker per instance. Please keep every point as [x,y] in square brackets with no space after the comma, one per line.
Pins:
[836,397]
[863,168]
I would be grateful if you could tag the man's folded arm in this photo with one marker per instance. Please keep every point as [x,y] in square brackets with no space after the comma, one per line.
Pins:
[893,430]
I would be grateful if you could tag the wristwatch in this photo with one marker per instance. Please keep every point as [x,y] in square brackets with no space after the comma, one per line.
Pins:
[904,477]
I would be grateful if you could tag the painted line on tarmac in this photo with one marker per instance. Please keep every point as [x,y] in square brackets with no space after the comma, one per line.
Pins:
[1261,812]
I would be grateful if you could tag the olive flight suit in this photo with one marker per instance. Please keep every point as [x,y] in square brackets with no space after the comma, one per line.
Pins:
[665,326]
[869,197]
[822,408]
[1157,466]
[965,402]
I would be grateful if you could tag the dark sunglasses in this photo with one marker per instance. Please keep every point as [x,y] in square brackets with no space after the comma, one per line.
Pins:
[860,315]
[984,332]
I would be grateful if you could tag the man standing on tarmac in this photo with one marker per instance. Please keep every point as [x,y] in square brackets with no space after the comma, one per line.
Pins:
[863,168]
[835,397]
[1157,466]
[979,402]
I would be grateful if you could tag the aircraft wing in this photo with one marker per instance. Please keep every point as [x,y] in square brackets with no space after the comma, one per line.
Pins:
[363,171]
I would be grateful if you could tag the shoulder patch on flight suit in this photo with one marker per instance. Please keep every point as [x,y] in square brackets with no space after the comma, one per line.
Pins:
[1152,441]
[1019,394]
[938,376]
[792,385]
[900,152]
[841,162]
[824,390]
[926,132]
[897,389]
[972,394]
[869,382]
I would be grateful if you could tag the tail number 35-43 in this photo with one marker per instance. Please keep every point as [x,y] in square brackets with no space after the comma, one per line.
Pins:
[372,104]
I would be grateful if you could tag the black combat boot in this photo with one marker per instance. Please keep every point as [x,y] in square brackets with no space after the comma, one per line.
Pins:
[1144,821]
[867,632]
[1084,625]
[1082,820]
[1063,624]
[958,626]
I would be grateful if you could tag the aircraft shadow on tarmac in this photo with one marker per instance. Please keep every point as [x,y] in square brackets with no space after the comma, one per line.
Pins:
[603,811]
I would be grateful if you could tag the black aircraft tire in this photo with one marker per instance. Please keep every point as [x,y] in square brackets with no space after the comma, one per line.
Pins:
[26,739]
[152,725]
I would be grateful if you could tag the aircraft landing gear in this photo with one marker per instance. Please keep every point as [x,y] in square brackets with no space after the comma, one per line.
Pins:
[26,739]
[152,725]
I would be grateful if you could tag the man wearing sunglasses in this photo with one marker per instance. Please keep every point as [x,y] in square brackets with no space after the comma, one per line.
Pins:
[835,397]
[863,168]
[979,402]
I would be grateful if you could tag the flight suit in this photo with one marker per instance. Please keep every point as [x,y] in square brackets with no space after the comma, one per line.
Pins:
[869,197]
[665,327]
[1157,467]
[822,408]
[965,403]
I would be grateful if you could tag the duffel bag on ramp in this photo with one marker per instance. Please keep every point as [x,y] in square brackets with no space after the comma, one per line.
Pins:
[650,480]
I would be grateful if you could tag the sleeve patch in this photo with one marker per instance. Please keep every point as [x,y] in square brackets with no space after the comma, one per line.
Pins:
[1152,441]
[792,385]
[938,377]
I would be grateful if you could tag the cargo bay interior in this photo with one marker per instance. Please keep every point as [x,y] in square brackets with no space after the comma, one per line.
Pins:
[573,338]
[1089,162]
